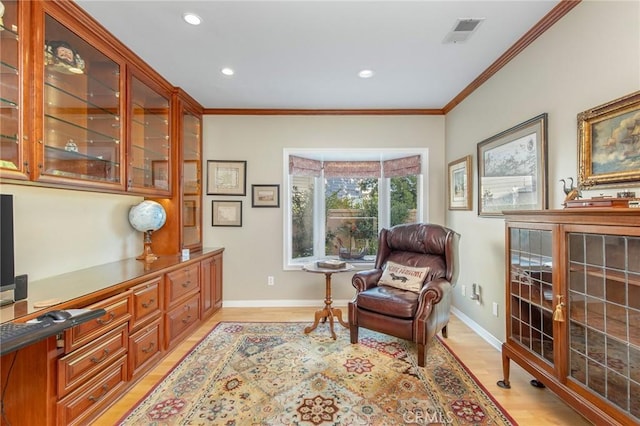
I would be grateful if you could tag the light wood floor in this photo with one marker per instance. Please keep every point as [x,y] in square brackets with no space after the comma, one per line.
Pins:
[526,404]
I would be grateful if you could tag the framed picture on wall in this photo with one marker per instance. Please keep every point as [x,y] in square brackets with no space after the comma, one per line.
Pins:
[459,188]
[226,213]
[609,143]
[226,177]
[265,195]
[512,169]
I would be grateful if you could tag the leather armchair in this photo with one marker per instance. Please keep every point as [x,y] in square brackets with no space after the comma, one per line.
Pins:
[409,315]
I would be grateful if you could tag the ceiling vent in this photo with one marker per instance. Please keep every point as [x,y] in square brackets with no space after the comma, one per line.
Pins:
[462,30]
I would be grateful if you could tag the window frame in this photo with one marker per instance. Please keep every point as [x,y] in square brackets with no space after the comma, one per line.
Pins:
[384,194]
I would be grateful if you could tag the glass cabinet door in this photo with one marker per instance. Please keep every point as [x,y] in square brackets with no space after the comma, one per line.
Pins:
[604,313]
[82,114]
[12,158]
[531,291]
[191,165]
[149,155]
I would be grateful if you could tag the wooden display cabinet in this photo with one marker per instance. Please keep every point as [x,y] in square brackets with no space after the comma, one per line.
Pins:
[79,107]
[573,304]
[183,229]
[14,90]
[150,142]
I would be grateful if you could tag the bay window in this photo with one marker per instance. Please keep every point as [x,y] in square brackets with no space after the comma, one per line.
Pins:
[337,201]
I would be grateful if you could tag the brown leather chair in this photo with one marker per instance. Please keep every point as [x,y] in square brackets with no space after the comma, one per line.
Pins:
[409,315]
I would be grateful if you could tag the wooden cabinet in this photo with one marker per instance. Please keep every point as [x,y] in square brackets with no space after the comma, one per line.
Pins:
[78,104]
[183,229]
[182,302]
[149,139]
[211,285]
[573,307]
[14,90]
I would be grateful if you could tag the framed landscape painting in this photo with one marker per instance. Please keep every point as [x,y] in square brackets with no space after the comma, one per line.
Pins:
[226,213]
[512,169]
[226,177]
[459,188]
[609,143]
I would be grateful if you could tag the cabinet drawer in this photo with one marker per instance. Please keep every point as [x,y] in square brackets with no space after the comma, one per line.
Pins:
[82,364]
[118,311]
[182,282]
[146,302]
[84,403]
[145,348]
[180,318]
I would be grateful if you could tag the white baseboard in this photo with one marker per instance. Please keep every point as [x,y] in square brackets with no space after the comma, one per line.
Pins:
[488,337]
[280,303]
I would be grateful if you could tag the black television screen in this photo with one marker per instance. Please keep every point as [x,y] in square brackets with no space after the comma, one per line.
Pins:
[7,263]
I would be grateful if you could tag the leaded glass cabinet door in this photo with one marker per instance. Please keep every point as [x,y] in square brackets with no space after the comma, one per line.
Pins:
[531,292]
[79,142]
[14,162]
[604,317]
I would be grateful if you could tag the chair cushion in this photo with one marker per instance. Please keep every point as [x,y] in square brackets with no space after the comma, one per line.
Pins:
[390,301]
[403,277]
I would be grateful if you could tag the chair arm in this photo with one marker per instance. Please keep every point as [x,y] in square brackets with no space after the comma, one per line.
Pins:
[364,280]
[434,290]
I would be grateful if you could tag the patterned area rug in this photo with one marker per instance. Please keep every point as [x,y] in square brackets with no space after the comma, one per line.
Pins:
[274,374]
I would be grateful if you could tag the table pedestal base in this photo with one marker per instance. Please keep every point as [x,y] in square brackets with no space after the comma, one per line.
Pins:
[323,314]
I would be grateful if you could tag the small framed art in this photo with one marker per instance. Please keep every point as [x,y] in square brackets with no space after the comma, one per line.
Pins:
[226,177]
[160,174]
[265,195]
[459,188]
[226,213]
[189,213]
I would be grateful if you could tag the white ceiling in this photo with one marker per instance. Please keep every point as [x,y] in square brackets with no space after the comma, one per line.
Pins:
[306,54]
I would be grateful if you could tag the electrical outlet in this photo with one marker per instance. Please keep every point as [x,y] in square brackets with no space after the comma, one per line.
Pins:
[495,309]
[463,290]
[270,280]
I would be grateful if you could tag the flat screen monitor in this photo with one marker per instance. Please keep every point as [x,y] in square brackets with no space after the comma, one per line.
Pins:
[7,262]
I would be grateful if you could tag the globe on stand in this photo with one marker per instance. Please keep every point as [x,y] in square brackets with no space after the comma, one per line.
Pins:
[148,216]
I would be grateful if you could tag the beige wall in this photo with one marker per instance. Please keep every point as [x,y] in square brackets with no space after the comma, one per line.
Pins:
[591,56]
[254,251]
[58,231]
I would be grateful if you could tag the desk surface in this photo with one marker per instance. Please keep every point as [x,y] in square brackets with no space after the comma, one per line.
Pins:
[312,267]
[98,281]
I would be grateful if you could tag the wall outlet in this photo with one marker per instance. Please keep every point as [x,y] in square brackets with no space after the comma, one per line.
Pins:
[270,280]
[463,290]
[495,309]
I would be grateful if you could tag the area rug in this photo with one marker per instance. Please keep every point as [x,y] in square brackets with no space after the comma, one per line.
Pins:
[274,374]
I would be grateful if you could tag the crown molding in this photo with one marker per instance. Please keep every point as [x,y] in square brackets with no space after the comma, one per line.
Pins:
[251,111]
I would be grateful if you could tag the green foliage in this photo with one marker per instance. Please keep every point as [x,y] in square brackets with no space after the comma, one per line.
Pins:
[403,198]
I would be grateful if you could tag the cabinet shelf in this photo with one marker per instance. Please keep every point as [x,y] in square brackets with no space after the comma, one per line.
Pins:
[6,68]
[8,33]
[6,103]
[103,137]
[85,101]
[151,154]
[54,153]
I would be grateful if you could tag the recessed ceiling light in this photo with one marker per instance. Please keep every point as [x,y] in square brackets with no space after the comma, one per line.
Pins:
[192,18]
[366,74]
[227,71]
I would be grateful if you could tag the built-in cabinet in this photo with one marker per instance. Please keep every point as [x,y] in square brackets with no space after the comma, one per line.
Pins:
[79,110]
[14,90]
[573,307]
[71,379]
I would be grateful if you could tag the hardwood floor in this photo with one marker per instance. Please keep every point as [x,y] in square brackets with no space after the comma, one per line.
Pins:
[526,404]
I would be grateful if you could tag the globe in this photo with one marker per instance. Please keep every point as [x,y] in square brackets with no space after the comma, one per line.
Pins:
[147,216]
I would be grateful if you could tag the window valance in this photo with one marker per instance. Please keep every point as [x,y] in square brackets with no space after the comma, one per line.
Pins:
[300,166]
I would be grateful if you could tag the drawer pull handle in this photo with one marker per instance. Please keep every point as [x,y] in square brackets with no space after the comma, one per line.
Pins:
[105,322]
[186,284]
[148,348]
[148,303]
[105,389]
[105,354]
[187,319]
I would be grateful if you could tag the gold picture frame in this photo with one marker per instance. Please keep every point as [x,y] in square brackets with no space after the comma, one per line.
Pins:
[609,143]
[459,188]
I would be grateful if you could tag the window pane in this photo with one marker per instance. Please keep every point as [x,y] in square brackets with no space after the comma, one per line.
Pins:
[404,199]
[302,208]
[351,218]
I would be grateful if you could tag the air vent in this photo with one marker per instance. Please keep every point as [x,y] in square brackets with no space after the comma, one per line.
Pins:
[462,30]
